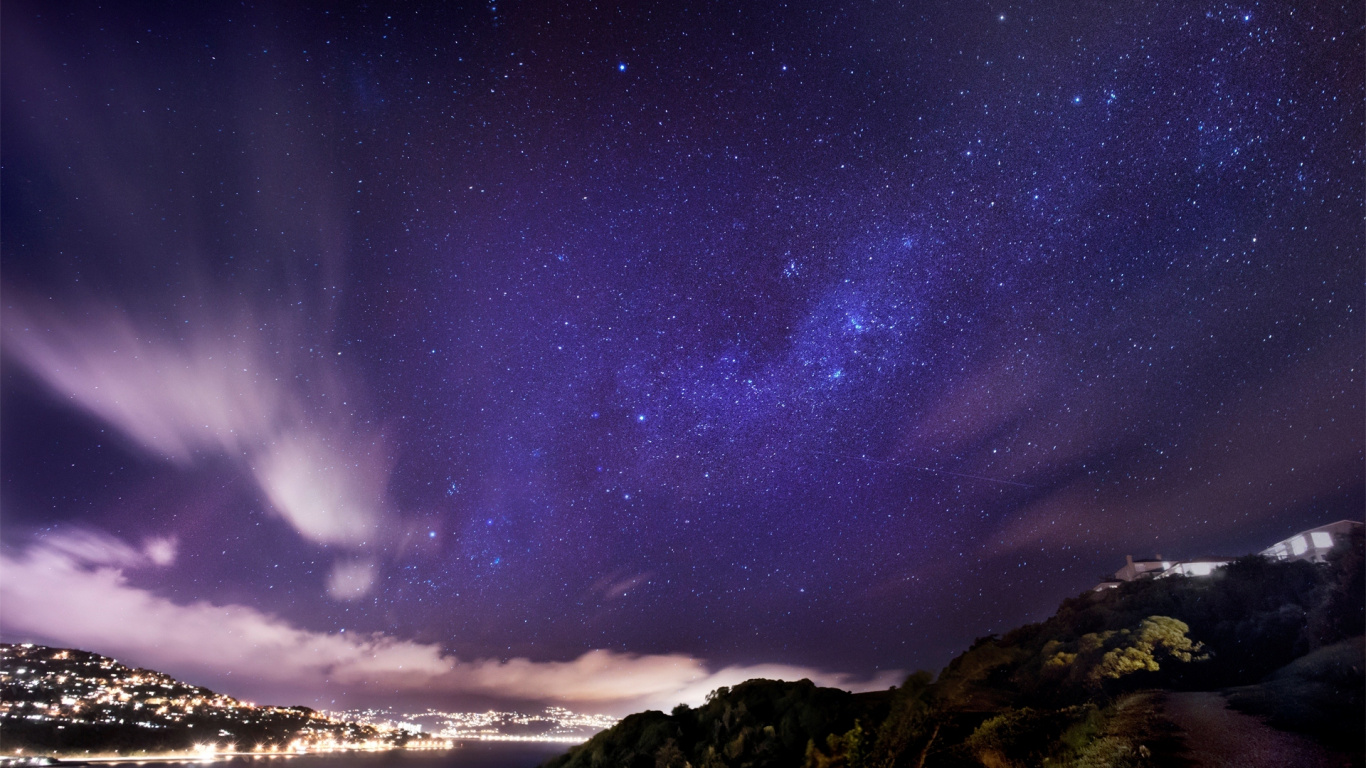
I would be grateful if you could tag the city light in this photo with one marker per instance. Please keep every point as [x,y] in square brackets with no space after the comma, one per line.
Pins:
[75,689]
[553,725]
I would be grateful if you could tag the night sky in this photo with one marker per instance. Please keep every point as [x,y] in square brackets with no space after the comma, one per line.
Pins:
[562,352]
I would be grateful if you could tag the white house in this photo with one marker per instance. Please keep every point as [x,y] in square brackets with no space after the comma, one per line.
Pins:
[1195,566]
[1141,569]
[1314,544]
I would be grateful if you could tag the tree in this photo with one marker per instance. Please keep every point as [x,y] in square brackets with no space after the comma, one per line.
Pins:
[847,750]
[1097,657]
[670,756]
[1157,638]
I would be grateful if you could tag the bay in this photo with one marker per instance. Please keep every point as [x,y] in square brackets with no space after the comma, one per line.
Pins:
[471,754]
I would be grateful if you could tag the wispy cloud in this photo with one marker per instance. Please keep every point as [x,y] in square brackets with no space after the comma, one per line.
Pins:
[618,583]
[72,589]
[236,390]
[161,550]
[351,579]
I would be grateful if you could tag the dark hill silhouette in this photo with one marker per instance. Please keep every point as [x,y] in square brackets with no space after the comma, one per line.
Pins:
[1082,688]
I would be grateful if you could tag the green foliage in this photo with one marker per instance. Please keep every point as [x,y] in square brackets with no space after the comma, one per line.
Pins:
[979,679]
[1110,752]
[911,725]
[1129,733]
[670,756]
[1022,738]
[846,750]
[1342,611]
[1061,667]
[1110,655]
[1247,620]
[1083,732]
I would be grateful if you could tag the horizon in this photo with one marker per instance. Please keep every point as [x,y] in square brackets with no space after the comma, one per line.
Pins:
[369,714]
[502,358]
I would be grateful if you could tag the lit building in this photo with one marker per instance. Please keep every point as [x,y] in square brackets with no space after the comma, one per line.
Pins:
[1314,544]
[1195,566]
[1141,569]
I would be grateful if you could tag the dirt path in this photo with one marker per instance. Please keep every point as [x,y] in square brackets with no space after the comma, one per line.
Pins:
[1218,736]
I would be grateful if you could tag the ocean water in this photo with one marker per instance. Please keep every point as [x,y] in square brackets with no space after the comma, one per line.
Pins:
[473,754]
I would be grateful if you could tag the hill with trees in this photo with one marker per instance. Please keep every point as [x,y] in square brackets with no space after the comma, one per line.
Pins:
[1082,688]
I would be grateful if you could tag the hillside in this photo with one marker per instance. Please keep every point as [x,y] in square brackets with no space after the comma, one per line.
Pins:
[1083,688]
[71,702]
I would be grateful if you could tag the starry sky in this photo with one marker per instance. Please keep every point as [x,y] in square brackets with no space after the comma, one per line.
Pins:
[603,354]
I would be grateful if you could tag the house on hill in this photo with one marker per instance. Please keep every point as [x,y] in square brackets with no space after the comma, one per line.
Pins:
[1159,568]
[1195,566]
[1314,544]
[1141,569]
[1133,570]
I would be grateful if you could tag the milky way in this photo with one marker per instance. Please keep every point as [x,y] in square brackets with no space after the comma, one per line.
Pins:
[624,341]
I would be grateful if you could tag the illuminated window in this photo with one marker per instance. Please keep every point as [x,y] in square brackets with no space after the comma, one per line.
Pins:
[1298,545]
[1322,539]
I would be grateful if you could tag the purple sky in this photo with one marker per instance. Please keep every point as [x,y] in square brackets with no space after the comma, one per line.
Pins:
[528,353]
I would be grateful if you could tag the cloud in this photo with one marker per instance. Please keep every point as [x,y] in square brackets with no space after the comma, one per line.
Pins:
[161,550]
[227,391]
[329,495]
[72,589]
[351,579]
[93,549]
[618,583]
